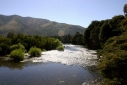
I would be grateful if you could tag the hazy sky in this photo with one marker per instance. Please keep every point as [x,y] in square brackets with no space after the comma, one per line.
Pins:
[77,12]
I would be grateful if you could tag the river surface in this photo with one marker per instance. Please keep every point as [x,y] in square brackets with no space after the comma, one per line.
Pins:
[73,66]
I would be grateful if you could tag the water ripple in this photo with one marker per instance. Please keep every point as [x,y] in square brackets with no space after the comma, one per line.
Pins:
[72,55]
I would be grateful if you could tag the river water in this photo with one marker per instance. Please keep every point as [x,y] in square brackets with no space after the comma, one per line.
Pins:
[73,66]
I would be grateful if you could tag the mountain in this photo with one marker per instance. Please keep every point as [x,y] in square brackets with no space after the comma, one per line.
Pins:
[36,26]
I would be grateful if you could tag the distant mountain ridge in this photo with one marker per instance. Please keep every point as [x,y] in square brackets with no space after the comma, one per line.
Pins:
[36,26]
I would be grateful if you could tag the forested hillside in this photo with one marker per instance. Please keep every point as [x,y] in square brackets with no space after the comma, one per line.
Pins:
[36,26]
[109,38]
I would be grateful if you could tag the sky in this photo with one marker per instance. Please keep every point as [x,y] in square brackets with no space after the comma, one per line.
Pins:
[76,12]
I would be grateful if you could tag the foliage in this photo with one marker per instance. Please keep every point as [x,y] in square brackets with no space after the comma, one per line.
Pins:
[17,46]
[105,32]
[34,52]
[25,42]
[113,64]
[4,45]
[77,39]
[17,55]
[115,43]
[91,35]
[125,9]
[10,35]
[111,28]
[41,42]
[109,38]
[64,39]
[60,48]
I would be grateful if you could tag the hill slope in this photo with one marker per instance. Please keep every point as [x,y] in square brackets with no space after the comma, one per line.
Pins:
[35,26]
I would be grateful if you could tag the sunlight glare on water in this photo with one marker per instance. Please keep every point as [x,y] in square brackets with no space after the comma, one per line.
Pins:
[72,55]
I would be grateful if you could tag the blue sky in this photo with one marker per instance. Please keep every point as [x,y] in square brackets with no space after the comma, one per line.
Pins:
[76,12]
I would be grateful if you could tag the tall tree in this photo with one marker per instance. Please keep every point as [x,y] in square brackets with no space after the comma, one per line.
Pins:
[77,39]
[110,28]
[125,9]
[91,34]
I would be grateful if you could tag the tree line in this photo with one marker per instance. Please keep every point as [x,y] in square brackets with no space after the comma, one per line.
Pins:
[44,43]
[77,39]
[109,38]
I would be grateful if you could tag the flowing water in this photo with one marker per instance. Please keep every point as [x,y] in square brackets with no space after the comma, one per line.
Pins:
[73,66]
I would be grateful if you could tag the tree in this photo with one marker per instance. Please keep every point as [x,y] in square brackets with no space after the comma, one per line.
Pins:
[17,46]
[77,39]
[4,45]
[10,35]
[125,9]
[115,25]
[91,35]
[94,36]
[34,52]
[17,55]
[110,28]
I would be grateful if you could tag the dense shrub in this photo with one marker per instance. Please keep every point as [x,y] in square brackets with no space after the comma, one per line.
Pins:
[77,39]
[17,46]
[4,49]
[113,65]
[17,55]
[4,45]
[34,52]
[60,48]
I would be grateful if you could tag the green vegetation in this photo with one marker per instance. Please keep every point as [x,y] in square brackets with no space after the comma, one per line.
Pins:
[5,44]
[15,43]
[77,39]
[17,46]
[109,38]
[125,10]
[17,55]
[60,48]
[98,32]
[114,61]
[34,52]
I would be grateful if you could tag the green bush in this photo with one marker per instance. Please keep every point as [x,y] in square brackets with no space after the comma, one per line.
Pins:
[4,49]
[17,55]
[34,52]
[114,66]
[57,42]
[60,48]
[18,46]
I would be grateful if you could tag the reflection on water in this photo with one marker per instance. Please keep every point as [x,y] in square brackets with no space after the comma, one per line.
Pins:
[69,67]
[11,64]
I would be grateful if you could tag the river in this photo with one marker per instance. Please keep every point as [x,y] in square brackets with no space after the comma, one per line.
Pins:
[73,66]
